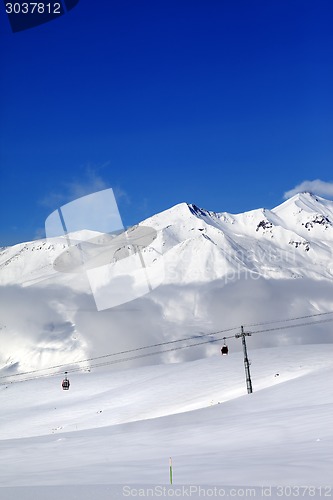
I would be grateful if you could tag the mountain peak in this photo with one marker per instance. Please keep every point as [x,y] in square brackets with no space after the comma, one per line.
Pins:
[306,196]
[308,202]
[195,210]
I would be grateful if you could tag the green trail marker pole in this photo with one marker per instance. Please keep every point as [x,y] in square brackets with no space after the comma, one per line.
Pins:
[170,466]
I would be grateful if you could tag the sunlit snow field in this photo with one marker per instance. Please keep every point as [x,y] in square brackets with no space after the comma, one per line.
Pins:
[120,427]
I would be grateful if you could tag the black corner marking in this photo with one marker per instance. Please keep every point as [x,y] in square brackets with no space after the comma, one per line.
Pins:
[26,14]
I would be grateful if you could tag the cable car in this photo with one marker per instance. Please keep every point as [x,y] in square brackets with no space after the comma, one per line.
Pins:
[65,383]
[224,349]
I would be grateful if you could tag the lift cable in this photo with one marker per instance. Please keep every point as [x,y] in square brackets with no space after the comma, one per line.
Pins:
[288,319]
[194,337]
[122,360]
[139,356]
[200,335]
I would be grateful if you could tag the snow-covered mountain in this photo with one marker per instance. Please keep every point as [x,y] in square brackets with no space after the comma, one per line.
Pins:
[292,240]
[219,269]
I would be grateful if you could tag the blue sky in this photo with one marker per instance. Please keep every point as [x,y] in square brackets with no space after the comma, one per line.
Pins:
[225,104]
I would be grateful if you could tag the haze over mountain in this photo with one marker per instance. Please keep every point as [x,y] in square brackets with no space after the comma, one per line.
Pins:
[220,270]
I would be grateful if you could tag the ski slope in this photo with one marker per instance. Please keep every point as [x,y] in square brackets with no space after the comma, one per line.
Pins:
[118,428]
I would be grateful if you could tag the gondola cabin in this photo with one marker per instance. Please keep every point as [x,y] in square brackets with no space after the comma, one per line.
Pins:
[224,349]
[65,384]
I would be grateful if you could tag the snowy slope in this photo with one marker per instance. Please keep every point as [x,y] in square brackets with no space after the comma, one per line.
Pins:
[293,240]
[119,425]
[120,428]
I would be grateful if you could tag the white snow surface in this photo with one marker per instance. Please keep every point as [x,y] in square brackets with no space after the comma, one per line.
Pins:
[117,430]
[119,425]
[253,241]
